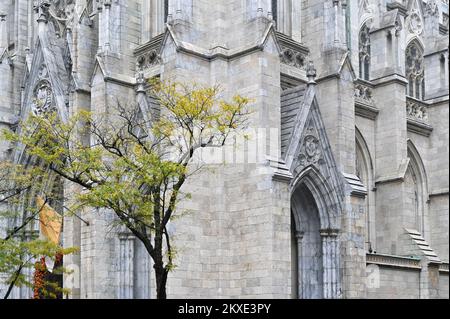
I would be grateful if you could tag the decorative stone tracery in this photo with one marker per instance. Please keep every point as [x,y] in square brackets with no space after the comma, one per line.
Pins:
[310,151]
[42,98]
[414,70]
[364,52]
[363,93]
[416,110]
[293,58]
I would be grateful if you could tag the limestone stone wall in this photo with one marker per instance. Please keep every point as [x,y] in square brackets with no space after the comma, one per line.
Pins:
[443,286]
[396,284]
[234,239]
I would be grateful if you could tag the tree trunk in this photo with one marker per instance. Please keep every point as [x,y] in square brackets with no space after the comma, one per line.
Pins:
[13,282]
[161,280]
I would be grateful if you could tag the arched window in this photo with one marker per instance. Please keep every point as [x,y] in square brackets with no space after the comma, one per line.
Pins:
[416,194]
[364,52]
[414,70]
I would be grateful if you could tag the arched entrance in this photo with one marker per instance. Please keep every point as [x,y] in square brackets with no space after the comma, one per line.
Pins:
[315,266]
[309,244]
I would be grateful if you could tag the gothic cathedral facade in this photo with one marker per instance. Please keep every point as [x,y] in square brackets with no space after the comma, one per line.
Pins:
[347,195]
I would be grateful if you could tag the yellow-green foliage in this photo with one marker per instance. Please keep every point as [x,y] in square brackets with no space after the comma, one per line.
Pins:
[133,164]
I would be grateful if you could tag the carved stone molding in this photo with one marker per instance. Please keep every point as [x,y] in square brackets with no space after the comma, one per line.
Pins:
[147,55]
[416,110]
[293,53]
[363,93]
[394,261]
[293,58]
[444,267]
[414,21]
[431,8]
[310,152]
[42,101]
[417,117]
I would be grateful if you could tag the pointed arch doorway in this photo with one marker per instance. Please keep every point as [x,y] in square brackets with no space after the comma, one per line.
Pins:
[315,245]
[308,244]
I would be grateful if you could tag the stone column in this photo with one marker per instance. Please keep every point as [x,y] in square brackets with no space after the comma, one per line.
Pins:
[335,280]
[326,258]
[299,238]
[330,251]
[126,266]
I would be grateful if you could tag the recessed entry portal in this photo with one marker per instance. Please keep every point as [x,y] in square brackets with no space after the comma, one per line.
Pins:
[315,244]
[307,245]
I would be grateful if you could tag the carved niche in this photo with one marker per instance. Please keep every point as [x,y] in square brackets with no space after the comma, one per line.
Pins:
[310,152]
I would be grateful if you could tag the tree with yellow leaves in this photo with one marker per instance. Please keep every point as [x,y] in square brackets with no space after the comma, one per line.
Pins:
[137,160]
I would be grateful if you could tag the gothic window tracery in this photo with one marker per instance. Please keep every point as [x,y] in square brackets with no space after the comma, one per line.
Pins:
[414,70]
[364,52]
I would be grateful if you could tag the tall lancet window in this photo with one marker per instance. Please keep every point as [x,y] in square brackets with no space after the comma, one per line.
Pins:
[364,53]
[414,70]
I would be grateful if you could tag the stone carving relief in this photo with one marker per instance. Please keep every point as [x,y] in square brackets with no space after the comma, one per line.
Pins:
[292,58]
[414,20]
[431,8]
[416,110]
[310,151]
[363,92]
[398,26]
[415,23]
[148,59]
[42,99]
